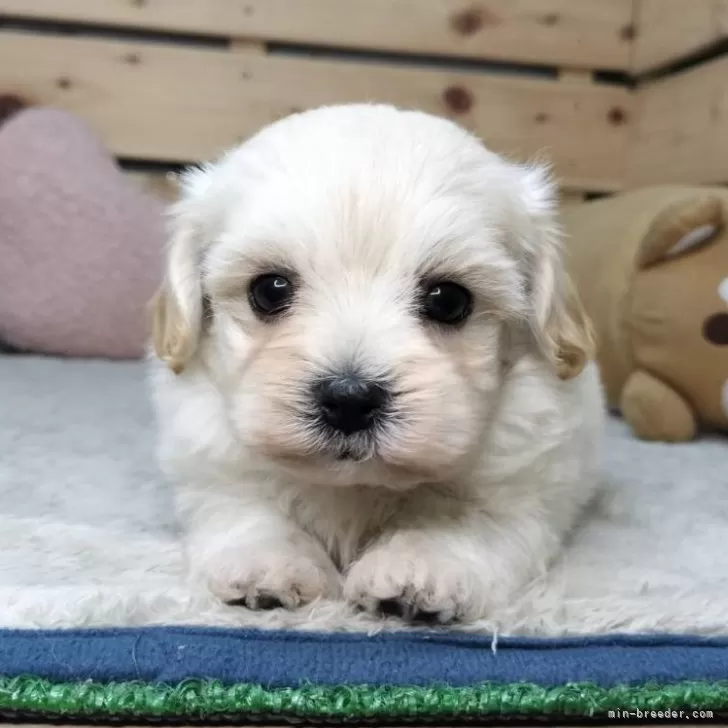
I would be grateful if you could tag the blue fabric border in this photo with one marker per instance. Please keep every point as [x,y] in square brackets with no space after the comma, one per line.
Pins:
[289,659]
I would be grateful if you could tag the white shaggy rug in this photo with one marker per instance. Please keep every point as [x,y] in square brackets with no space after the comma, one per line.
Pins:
[87,534]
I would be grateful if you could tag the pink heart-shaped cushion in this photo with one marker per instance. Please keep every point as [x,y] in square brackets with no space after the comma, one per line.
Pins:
[80,245]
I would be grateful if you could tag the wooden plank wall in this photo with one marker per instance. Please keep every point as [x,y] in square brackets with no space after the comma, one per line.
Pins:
[583,33]
[681,106]
[671,30]
[681,134]
[224,68]
[175,81]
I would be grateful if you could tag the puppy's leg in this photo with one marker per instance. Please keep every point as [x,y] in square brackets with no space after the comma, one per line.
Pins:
[247,552]
[446,561]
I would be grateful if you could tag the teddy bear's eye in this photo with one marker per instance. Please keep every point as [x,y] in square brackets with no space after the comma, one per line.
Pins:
[715,329]
[270,294]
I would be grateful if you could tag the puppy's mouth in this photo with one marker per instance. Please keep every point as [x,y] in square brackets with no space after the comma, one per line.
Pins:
[333,454]
[341,447]
[352,449]
[361,458]
[353,454]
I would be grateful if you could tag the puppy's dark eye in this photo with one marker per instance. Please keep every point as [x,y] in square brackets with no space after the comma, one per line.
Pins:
[270,294]
[447,303]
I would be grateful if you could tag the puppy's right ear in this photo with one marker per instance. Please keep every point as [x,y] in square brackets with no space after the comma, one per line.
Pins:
[177,308]
[175,333]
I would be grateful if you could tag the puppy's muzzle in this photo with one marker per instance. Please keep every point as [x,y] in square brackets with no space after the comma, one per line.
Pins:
[350,403]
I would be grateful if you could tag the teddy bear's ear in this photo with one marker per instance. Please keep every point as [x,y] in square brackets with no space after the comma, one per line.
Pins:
[680,227]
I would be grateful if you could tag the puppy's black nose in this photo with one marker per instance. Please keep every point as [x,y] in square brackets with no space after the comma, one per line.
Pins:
[350,404]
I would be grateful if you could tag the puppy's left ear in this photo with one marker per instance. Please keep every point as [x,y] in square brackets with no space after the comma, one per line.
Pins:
[558,321]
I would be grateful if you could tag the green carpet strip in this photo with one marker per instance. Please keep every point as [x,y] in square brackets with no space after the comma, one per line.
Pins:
[196,699]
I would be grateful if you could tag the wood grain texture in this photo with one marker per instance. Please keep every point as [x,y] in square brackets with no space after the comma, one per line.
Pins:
[681,128]
[669,30]
[582,33]
[159,184]
[569,198]
[178,103]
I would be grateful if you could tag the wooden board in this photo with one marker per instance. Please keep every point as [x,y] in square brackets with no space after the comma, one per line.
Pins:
[681,131]
[178,103]
[159,184]
[570,198]
[581,33]
[669,30]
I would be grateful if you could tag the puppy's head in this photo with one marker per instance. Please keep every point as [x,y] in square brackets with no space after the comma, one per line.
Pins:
[350,277]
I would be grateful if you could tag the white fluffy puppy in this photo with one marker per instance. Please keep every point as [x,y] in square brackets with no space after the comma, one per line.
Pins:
[377,381]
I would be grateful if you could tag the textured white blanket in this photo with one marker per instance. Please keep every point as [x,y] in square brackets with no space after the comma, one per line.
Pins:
[87,535]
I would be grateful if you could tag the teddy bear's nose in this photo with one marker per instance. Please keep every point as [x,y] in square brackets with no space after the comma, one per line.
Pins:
[715,329]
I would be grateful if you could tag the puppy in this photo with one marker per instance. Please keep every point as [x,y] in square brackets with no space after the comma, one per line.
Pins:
[373,378]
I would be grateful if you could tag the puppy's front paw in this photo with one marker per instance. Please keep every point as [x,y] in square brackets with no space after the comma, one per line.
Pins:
[266,576]
[416,583]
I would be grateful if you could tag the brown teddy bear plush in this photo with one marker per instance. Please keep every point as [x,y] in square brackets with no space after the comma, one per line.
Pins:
[651,267]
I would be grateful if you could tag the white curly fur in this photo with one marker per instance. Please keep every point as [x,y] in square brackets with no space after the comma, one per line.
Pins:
[492,446]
